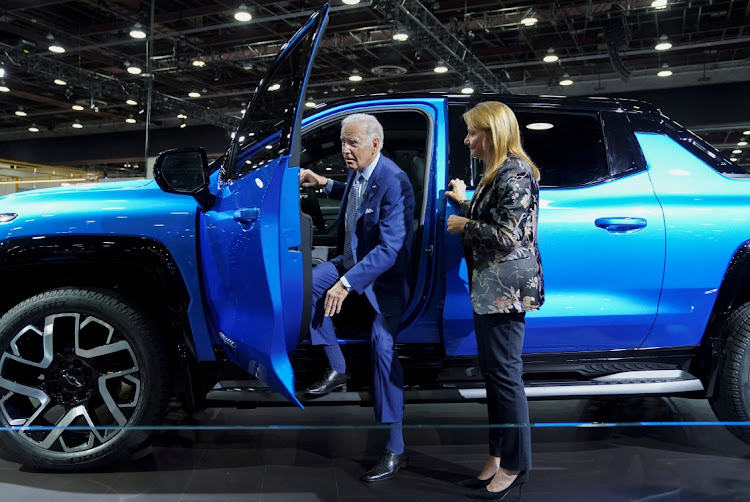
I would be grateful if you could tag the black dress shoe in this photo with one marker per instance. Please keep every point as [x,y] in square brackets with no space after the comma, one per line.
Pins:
[485,494]
[331,381]
[474,483]
[387,467]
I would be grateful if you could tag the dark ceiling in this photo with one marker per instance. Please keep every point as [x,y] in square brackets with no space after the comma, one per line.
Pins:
[605,48]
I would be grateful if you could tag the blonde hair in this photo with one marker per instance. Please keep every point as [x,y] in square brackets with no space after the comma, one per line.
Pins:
[501,132]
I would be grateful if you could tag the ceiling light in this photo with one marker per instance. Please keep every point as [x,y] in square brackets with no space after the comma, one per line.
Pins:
[566,80]
[733,159]
[77,125]
[199,63]
[539,126]
[4,88]
[77,108]
[401,35]
[350,2]
[742,143]
[183,125]
[134,70]
[746,133]
[60,82]
[663,44]
[131,102]
[20,112]
[181,116]
[274,87]
[130,120]
[243,111]
[529,21]
[440,68]
[33,128]
[268,147]
[194,94]
[551,57]
[659,4]
[137,31]
[467,89]
[736,152]
[310,104]
[242,14]
[665,71]
[355,76]
[2,72]
[54,46]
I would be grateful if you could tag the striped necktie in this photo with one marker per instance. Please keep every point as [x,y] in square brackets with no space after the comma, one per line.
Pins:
[350,221]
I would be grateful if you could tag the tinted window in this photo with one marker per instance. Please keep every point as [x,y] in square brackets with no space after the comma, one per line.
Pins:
[568,148]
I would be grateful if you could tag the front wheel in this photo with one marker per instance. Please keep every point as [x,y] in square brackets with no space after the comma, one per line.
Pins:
[78,369]
[731,400]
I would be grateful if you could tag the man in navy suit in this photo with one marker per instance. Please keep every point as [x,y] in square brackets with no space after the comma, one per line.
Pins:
[375,236]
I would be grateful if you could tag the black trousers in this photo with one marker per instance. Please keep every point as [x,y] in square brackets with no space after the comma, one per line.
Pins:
[499,344]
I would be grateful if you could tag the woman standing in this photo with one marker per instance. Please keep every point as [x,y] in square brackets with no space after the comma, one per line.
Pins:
[498,227]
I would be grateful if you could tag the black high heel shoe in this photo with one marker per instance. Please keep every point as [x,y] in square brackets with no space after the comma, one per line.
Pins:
[485,494]
[474,483]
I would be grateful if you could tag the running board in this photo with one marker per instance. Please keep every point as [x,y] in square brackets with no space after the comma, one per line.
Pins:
[664,382]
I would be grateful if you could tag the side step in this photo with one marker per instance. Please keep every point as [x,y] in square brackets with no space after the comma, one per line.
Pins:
[664,382]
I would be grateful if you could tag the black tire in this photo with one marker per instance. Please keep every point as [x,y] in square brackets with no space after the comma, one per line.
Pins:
[731,400]
[84,359]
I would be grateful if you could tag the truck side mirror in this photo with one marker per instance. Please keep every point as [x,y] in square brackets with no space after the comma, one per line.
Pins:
[184,171]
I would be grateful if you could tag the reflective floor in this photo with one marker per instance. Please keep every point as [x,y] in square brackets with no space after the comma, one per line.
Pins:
[316,462]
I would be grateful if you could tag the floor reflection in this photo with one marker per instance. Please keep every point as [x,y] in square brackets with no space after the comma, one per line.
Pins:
[319,462]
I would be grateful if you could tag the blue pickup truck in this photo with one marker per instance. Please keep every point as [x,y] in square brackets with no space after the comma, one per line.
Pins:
[117,296]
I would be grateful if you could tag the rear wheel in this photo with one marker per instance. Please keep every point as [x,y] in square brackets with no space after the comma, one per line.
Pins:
[78,369]
[731,401]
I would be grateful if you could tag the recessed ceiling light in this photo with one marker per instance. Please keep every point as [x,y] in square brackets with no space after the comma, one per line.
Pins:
[539,126]
[274,87]
[243,15]
[77,107]
[60,82]
[194,94]
[137,31]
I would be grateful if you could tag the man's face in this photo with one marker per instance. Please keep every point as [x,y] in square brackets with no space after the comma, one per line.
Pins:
[357,151]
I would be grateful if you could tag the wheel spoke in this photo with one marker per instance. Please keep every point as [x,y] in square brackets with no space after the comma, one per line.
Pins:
[109,400]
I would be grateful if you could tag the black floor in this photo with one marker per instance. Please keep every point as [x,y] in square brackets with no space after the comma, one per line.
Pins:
[316,462]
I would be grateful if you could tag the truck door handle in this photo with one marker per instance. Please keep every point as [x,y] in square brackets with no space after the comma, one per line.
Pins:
[620,225]
[246,215]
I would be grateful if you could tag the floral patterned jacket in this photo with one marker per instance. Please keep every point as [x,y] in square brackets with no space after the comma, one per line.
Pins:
[500,242]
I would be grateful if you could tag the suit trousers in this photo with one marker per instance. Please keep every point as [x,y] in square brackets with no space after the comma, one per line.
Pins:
[388,376]
[499,345]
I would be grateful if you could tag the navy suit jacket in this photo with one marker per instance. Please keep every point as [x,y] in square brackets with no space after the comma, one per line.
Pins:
[383,237]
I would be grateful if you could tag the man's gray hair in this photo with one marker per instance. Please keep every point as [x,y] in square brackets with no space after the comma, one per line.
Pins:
[368,123]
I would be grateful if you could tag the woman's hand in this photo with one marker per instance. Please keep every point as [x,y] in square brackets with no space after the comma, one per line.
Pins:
[457,190]
[456,224]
